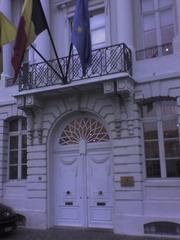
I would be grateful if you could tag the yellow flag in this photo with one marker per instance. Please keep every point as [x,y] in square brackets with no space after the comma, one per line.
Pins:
[7,34]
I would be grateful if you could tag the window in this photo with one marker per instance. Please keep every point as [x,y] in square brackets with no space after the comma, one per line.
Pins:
[158,22]
[85,128]
[161,139]
[16,8]
[17,149]
[97,26]
[98,39]
[163,228]
[158,26]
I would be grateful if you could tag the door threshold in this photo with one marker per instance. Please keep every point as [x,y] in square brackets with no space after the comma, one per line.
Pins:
[93,229]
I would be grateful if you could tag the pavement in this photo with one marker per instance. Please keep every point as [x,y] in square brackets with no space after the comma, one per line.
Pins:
[71,234]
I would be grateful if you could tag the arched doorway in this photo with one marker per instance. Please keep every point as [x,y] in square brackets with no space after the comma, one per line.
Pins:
[82,175]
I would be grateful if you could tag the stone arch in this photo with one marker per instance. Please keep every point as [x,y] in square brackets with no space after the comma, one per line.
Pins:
[98,106]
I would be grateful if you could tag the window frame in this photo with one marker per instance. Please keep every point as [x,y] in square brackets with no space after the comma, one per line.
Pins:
[97,11]
[94,13]
[157,13]
[19,133]
[158,119]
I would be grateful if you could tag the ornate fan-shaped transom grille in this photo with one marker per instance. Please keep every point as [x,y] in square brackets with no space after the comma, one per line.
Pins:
[85,128]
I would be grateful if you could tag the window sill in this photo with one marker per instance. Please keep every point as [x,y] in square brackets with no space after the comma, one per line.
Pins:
[162,182]
[16,183]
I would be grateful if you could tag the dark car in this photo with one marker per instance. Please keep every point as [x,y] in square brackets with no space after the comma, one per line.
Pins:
[9,219]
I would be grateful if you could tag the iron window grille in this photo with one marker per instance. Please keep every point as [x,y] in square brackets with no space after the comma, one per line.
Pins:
[153,52]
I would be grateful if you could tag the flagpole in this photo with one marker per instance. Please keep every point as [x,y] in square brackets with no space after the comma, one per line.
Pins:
[60,67]
[46,62]
[68,63]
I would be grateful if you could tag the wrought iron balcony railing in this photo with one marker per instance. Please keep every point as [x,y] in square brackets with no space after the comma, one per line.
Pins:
[156,51]
[105,61]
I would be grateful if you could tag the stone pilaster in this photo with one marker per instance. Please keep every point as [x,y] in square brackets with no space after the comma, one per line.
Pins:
[125,22]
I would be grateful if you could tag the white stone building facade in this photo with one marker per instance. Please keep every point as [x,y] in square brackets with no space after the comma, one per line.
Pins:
[101,151]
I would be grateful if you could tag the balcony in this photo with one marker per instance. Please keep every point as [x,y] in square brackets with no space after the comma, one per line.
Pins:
[105,61]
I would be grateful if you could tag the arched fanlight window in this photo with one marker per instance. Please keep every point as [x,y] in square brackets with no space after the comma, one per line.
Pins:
[85,128]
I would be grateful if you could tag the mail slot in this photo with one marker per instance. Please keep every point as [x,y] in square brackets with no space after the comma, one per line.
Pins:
[68,203]
[101,204]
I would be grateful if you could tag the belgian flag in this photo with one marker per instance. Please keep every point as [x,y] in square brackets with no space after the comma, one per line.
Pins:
[31,24]
[7,34]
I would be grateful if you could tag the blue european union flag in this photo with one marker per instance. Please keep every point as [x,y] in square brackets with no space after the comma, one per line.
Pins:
[81,37]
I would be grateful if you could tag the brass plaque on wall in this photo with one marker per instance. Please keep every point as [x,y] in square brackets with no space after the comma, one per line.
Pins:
[127,181]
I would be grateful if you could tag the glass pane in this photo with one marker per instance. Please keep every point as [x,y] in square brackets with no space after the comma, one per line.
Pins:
[13,157]
[24,141]
[167,34]
[168,108]
[13,172]
[150,131]
[167,49]
[97,21]
[166,17]
[98,36]
[13,125]
[147,5]
[153,168]
[151,149]
[24,172]
[150,39]
[172,148]
[149,110]
[149,22]
[173,168]
[24,124]
[164,3]
[151,52]
[170,129]
[15,14]
[13,142]
[24,156]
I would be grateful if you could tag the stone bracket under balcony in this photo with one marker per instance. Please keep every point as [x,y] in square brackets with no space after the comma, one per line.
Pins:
[32,106]
[29,101]
[123,86]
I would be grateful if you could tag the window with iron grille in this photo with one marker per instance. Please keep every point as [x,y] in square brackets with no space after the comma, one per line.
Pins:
[17,149]
[161,139]
[164,228]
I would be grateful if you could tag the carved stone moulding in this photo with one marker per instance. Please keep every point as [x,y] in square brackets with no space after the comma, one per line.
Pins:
[122,86]
[125,86]
[28,101]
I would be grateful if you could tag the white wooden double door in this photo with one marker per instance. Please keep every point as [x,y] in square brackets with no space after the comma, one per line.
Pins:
[83,189]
